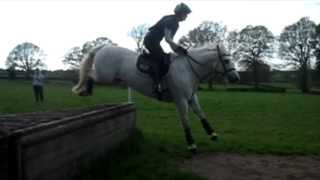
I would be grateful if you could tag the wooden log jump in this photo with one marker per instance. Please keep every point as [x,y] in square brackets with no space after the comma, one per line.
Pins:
[52,145]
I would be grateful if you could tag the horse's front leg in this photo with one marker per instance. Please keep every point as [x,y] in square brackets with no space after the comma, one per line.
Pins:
[195,105]
[182,107]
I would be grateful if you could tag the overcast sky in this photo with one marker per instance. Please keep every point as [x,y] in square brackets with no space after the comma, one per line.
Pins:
[58,25]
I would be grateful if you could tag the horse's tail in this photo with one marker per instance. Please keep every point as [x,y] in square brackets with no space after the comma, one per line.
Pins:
[85,68]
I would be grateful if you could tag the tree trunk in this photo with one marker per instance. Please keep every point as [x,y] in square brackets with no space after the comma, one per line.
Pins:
[28,74]
[304,79]
[255,74]
[210,83]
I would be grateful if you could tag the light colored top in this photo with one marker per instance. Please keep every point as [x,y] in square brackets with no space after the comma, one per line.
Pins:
[37,79]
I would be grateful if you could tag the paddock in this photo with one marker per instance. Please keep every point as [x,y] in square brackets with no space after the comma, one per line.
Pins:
[53,145]
[285,124]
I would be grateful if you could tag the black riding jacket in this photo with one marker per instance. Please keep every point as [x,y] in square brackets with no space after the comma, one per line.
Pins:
[156,32]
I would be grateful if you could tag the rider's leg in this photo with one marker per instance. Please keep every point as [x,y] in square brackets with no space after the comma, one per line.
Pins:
[157,74]
[157,90]
[157,55]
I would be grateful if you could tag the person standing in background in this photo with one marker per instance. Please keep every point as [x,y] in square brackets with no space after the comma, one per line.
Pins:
[37,83]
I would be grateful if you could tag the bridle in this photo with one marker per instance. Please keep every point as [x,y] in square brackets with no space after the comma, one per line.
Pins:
[225,70]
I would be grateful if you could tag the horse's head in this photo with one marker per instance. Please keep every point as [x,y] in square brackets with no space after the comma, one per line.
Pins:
[225,66]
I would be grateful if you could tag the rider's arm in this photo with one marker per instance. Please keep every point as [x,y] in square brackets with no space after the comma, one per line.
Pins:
[169,38]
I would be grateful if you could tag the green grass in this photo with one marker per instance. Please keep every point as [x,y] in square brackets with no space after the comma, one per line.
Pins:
[17,96]
[279,123]
[248,122]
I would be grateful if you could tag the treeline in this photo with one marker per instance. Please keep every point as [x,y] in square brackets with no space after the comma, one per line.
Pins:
[253,48]
[276,76]
[63,75]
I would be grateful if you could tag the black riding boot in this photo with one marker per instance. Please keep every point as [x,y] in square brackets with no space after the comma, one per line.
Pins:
[157,89]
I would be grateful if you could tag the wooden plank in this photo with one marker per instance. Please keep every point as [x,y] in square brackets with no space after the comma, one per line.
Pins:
[70,157]
[82,133]
[78,147]
[40,151]
[4,159]
[72,122]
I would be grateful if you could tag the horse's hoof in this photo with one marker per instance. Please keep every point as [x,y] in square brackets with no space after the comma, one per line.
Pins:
[193,149]
[84,93]
[214,136]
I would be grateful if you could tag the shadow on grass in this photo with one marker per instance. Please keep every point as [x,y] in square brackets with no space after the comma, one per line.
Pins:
[135,159]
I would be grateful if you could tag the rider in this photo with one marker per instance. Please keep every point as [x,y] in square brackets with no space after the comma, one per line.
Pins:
[166,28]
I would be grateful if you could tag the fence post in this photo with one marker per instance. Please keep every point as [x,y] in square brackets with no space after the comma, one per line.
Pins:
[129,95]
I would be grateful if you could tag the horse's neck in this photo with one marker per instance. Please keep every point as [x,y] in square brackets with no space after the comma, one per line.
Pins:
[201,55]
[200,64]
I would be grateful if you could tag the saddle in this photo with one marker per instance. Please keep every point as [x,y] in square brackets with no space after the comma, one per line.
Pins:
[147,65]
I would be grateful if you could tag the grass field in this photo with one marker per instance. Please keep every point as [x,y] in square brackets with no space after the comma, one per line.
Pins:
[273,123]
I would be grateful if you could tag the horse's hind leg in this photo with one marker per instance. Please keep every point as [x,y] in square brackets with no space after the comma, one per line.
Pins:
[88,88]
[89,85]
[194,103]
[182,106]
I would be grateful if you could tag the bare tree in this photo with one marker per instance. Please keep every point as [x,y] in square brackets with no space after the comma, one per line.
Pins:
[256,44]
[232,44]
[74,56]
[87,46]
[26,57]
[317,49]
[297,48]
[138,33]
[207,31]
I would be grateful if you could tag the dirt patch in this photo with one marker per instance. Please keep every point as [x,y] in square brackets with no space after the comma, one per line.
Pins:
[225,166]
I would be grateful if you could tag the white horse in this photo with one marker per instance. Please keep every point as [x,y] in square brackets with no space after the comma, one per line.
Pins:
[117,65]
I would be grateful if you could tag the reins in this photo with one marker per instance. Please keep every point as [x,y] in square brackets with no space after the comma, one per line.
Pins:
[205,64]
[192,68]
[195,61]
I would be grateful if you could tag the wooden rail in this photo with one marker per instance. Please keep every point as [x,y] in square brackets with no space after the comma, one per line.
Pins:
[54,149]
